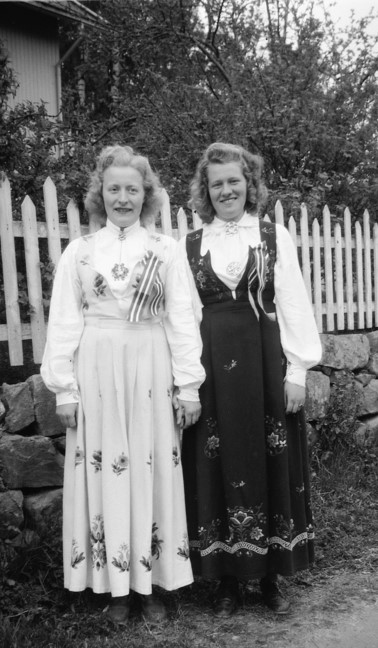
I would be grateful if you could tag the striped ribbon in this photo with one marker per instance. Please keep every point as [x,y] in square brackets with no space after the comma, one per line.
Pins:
[141,298]
[258,270]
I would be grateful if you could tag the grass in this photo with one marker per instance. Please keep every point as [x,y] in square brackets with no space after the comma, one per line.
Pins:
[38,613]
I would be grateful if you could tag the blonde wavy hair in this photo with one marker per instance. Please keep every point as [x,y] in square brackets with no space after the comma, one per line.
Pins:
[122,156]
[221,153]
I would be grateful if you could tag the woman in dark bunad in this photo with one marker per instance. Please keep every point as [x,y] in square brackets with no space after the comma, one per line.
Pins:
[121,334]
[245,461]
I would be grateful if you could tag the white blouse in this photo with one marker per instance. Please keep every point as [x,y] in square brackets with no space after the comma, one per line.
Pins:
[228,244]
[66,319]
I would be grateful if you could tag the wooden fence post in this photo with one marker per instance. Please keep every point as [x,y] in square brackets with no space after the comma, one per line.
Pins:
[34,282]
[52,221]
[8,255]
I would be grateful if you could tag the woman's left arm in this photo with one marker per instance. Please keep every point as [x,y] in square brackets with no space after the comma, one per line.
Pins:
[182,328]
[298,331]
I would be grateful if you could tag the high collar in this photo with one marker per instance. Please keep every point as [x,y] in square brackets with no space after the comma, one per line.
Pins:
[247,220]
[116,231]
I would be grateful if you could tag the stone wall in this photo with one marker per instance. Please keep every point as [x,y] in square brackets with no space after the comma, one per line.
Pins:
[32,441]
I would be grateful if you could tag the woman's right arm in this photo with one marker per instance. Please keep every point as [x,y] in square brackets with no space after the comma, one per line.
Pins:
[64,331]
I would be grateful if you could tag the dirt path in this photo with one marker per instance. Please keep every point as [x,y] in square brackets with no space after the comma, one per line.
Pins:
[341,610]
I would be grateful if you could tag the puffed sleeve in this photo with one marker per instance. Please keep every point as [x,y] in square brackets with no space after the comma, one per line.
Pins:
[65,327]
[299,335]
[183,316]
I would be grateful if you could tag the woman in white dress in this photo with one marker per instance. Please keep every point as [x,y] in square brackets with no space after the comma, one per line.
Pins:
[123,347]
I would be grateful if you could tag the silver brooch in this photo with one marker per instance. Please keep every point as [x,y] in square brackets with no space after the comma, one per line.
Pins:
[119,271]
[234,268]
[231,228]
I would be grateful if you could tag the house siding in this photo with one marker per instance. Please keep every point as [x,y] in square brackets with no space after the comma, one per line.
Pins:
[32,44]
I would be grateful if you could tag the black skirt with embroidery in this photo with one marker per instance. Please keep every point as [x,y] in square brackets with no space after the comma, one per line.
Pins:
[245,462]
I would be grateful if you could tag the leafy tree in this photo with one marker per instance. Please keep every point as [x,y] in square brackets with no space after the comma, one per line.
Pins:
[171,76]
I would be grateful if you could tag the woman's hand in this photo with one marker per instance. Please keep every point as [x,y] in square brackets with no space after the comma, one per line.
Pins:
[67,414]
[188,412]
[294,397]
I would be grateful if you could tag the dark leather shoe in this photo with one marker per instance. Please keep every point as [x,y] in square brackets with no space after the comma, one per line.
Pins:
[273,596]
[225,606]
[119,609]
[226,599]
[153,610]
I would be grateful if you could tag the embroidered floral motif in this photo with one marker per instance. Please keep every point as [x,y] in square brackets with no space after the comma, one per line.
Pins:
[240,484]
[200,277]
[98,549]
[122,562]
[246,525]
[147,562]
[175,456]
[230,366]
[211,449]
[183,550]
[79,456]
[76,557]
[156,542]
[204,276]
[275,436]
[97,460]
[99,285]
[210,534]
[119,271]
[284,528]
[120,464]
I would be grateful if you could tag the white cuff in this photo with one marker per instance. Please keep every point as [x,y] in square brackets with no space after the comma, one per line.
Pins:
[296,375]
[188,394]
[64,398]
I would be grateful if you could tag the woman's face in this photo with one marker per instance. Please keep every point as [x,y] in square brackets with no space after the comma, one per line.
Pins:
[227,189]
[123,194]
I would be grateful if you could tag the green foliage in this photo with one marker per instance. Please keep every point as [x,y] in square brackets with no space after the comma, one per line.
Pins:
[335,432]
[170,77]
[336,443]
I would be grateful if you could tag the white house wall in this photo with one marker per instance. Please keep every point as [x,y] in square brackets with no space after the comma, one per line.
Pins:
[33,56]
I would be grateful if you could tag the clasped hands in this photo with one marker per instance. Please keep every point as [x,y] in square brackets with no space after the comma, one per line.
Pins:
[187,412]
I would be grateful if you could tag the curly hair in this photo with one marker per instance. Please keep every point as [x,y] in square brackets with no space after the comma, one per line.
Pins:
[122,156]
[221,153]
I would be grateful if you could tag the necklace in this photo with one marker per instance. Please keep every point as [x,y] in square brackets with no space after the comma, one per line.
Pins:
[119,270]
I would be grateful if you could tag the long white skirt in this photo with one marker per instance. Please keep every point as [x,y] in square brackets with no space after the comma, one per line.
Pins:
[124,523]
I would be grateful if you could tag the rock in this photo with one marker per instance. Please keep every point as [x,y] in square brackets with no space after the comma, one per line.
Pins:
[364,378]
[19,405]
[60,444]
[44,403]
[345,351]
[41,507]
[30,462]
[312,435]
[3,411]
[11,514]
[317,395]
[369,399]
[372,365]
[373,341]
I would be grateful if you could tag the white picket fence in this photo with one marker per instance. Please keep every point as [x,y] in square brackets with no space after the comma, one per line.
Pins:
[339,265]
